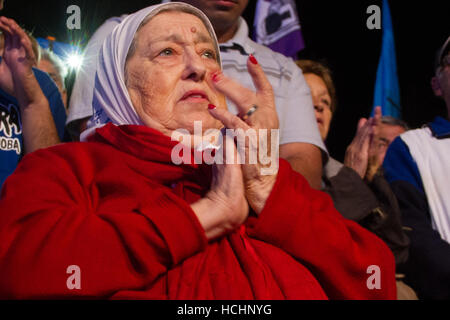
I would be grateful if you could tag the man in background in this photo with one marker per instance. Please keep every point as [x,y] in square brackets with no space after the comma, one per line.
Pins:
[417,165]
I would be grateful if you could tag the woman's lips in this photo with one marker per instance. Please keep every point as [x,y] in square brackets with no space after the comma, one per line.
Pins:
[195,96]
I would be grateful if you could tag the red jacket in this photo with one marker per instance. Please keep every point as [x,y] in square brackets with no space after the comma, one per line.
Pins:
[120,210]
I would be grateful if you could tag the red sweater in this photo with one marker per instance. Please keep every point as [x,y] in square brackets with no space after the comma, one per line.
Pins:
[120,210]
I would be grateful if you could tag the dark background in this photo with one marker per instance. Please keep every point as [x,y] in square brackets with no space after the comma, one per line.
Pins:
[334,32]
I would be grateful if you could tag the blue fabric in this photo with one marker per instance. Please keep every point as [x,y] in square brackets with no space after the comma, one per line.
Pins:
[11,141]
[440,128]
[61,49]
[398,165]
[387,91]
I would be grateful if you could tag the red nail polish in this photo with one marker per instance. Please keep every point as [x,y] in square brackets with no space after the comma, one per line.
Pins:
[253,59]
[216,76]
[211,106]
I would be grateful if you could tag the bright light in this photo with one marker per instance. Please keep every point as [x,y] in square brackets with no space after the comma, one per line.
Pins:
[74,60]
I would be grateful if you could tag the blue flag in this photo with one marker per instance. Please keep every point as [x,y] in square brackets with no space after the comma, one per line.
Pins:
[277,26]
[387,92]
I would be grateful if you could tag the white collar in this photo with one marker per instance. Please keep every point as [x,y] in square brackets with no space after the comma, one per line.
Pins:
[241,37]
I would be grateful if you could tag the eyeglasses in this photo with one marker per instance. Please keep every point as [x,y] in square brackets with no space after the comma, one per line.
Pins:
[445,61]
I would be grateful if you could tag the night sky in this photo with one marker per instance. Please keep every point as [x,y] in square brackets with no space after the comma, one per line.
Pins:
[334,32]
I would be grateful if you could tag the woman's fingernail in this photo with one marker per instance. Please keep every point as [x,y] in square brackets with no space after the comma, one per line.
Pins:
[215,76]
[253,59]
[211,106]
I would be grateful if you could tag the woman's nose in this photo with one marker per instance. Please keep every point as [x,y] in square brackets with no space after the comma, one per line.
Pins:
[194,67]
[318,108]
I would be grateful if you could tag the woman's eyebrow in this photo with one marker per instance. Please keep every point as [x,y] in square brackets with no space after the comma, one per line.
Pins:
[323,93]
[198,38]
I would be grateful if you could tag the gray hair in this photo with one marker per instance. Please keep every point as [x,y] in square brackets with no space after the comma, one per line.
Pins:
[394,122]
[56,62]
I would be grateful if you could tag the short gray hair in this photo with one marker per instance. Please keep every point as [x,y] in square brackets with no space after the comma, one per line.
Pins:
[56,62]
[394,122]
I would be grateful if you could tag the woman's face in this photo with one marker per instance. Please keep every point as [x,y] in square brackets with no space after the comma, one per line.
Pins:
[169,75]
[322,102]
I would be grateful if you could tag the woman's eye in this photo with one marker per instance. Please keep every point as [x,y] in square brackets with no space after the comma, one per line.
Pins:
[209,54]
[166,52]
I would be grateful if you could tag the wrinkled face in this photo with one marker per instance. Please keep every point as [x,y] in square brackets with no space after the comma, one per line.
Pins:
[48,67]
[220,12]
[386,134]
[322,102]
[169,74]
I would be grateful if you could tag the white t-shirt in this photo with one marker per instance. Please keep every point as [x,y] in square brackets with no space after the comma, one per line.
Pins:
[292,95]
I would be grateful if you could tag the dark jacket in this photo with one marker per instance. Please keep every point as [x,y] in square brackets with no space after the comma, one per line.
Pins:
[373,205]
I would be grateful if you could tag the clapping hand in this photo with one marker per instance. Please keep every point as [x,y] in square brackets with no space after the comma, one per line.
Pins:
[256,112]
[363,146]
[16,74]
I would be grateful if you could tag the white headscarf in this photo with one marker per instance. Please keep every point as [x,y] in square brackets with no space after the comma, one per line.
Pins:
[111,101]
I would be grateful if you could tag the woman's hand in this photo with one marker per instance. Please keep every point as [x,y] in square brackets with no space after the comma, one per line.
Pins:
[357,153]
[16,74]
[261,150]
[363,147]
[376,156]
[224,208]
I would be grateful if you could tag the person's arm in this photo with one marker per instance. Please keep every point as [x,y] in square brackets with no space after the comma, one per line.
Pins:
[351,196]
[306,159]
[52,218]
[385,220]
[428,265]
[338,252]
[126,242]
[300,141]
[38,127]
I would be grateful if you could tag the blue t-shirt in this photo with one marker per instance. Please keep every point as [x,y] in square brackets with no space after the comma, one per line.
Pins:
[11,141]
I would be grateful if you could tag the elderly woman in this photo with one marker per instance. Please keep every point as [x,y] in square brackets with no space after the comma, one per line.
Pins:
[125,222]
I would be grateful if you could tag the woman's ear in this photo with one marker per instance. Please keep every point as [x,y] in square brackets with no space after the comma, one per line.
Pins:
[436,86]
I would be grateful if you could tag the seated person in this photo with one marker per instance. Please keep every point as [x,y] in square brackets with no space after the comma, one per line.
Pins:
[417,165]
[357,187]
[138,225]
[27,121]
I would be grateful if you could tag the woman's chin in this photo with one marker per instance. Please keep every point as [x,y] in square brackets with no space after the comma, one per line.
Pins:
[200,124]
